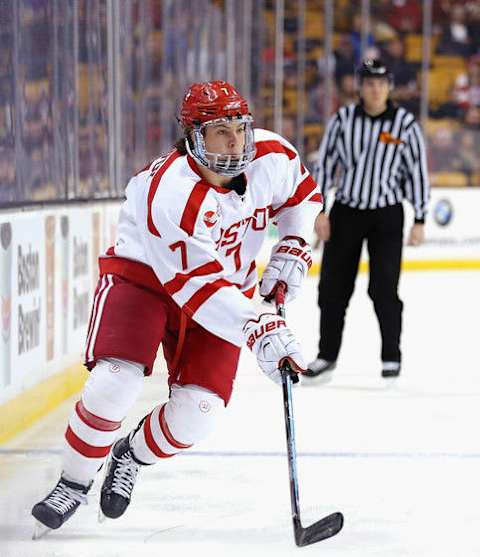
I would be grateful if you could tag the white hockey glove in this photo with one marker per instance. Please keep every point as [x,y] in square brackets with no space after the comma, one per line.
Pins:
[290,260]
[272,342]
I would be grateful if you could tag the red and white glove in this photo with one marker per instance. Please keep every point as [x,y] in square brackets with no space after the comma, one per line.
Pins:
[290,260]
[273,343]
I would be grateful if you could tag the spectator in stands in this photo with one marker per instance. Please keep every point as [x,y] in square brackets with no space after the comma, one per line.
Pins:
[455,39]
[441,149]
[465,157]
[467,86]
[289,128]
[403,15]
[316,100]
[344,56]
[356,40]
[448,109]
[8,185]
[473,19]
[153,119]
[346,90]
[472,118]
[406,87]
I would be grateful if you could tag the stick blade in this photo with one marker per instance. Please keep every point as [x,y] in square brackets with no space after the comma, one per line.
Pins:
[321,530]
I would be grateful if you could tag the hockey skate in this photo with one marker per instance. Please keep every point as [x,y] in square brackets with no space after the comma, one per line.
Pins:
[390,370]
[58,506]
[319,371]
[120,476]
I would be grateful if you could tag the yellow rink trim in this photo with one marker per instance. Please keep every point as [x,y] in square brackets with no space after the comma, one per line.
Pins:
[420,265]
[23,411]
[441,265]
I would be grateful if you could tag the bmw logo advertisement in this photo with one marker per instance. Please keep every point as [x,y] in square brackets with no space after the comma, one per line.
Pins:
[443,212]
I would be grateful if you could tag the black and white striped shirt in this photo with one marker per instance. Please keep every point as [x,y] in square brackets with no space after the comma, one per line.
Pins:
[381,159]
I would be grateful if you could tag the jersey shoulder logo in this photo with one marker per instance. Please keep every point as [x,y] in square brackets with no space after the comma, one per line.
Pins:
[210,218]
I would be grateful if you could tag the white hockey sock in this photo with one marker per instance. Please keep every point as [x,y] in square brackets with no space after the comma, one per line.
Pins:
[175,426]
[110,391]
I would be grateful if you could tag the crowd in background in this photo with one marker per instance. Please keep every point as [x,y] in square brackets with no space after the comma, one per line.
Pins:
[56,108]
[453,124]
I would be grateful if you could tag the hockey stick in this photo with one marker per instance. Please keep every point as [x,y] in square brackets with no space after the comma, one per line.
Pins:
[331,524]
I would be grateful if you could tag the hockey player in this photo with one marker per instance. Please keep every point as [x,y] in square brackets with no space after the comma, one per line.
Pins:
[182,274]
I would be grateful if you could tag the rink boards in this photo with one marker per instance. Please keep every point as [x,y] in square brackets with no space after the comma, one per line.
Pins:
[48,271]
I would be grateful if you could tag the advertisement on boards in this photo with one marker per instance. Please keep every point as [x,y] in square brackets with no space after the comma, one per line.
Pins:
[80,278]
[29,306]
[451,229]
[64,256]
[6,272]
[50,222]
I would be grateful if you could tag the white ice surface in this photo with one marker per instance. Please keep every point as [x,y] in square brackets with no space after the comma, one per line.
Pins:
[401,462]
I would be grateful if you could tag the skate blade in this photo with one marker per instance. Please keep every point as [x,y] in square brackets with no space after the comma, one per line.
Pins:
[100,516]
[40,530]
[321,379]
[390,382]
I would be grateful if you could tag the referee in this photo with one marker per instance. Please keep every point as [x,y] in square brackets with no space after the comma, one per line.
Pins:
[375,152]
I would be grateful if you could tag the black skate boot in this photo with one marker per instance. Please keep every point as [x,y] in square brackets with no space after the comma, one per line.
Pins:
[59,505]
[391,369]
[121,473]
[319,370]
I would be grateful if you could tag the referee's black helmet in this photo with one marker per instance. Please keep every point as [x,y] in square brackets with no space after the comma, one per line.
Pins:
[373,67]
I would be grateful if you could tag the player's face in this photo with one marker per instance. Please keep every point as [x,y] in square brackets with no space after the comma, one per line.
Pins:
[374,91]
[225,139]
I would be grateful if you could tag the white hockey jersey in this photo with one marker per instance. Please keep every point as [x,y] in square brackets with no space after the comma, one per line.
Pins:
[201,240]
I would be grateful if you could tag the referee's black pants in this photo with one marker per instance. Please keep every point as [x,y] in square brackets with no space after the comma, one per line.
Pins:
[383,230]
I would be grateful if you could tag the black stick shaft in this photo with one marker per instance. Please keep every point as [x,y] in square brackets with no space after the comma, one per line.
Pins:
[287,374]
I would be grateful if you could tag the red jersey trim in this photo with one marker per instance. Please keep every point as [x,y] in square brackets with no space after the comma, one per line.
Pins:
[135,271]
[177,283]
[143,275]
[192,208]
[84,448]
[250,292]
[95,422]
[252,268]
[203,294]
[305,188]
[316,198]
[192,164]
[153,190]
[273,146]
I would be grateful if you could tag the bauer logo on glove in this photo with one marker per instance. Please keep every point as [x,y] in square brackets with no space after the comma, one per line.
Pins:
[264,328]
[297,252]
[289,263]
[272,342]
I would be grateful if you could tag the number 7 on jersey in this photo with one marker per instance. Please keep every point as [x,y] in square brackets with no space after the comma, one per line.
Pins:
[183,252]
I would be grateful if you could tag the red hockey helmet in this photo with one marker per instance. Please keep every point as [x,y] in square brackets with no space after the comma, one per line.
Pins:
[210,103]
[211,100]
